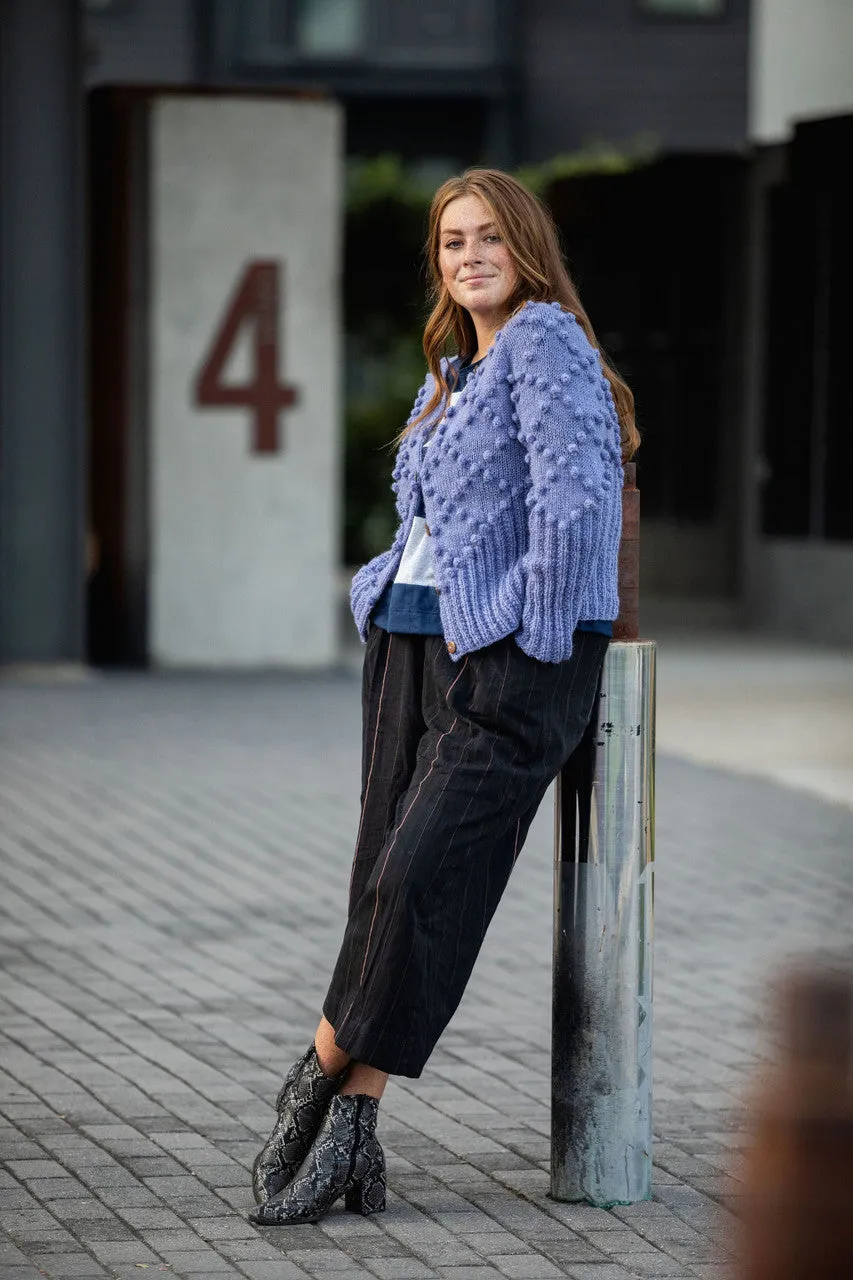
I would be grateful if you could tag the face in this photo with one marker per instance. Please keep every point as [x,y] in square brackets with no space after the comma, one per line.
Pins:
[475,264]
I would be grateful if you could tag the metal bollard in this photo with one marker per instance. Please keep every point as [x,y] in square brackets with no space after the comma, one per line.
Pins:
[601,1104]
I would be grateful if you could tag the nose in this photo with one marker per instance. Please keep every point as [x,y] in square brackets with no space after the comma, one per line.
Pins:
[471,253]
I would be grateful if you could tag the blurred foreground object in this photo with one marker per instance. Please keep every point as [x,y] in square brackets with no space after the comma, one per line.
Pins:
[601,1072]
[798,1220]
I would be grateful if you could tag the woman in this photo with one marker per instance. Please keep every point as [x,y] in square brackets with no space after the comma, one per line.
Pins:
[486,624]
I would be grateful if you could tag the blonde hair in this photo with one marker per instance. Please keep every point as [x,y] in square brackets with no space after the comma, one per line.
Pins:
[529,233]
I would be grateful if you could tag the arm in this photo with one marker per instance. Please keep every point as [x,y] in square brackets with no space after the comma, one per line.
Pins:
[570,432]
[365,584]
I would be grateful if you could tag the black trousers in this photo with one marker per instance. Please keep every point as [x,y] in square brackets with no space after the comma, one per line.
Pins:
[456,760]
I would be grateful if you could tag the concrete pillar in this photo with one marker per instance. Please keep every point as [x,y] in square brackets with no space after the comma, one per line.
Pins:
[42,504]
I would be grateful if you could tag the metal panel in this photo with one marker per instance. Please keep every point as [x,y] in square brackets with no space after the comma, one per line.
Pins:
[41,312]
[604,69]
[449,33]
[601,1110]
[141,43]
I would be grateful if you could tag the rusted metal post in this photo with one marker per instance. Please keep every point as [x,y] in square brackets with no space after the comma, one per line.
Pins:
[627,625]
[601,1113]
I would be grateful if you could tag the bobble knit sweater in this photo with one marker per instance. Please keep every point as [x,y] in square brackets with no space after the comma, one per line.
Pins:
[522,490]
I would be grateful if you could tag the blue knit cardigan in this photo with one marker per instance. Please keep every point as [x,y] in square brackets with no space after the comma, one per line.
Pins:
[522,490]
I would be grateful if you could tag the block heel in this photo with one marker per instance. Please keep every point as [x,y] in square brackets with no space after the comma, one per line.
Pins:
[367,1196]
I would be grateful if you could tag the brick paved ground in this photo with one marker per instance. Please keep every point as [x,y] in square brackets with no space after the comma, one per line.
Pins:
[173,866]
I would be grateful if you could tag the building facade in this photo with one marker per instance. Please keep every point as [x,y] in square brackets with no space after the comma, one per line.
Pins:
[684,265]
[506,80]
[796,554]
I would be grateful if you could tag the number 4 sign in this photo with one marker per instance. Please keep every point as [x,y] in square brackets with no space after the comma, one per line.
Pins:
[255,302]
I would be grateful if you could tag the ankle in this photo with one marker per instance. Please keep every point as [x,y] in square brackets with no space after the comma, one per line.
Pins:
[332,1064]
[364,1080]
[332,1060]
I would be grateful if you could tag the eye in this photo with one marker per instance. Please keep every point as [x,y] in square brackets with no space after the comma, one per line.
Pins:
[494,237]
[453,244]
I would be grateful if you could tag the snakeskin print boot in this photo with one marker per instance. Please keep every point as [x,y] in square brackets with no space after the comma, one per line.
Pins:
[345,1160]
[302,1103]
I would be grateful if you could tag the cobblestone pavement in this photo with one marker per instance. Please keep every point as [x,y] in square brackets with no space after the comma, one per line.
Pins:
[173,875]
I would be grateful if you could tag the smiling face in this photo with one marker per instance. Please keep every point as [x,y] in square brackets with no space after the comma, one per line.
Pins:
[475,264]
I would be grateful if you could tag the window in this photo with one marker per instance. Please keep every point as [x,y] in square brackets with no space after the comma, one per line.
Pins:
[356,37]
[293,29]
[683,8]
[330,27]
[98,7]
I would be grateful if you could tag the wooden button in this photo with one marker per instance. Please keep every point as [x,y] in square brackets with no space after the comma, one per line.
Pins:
[438,591]
[426,526]
[451,647]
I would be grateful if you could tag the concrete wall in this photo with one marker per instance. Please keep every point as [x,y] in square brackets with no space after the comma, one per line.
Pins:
[600,69]
[686,559]
[244,544]
[802,589]
[801,64]
[149,42]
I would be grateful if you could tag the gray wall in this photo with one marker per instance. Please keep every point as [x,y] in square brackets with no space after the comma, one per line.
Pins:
[802,589]
[600,69]
[792,586]
[150,42]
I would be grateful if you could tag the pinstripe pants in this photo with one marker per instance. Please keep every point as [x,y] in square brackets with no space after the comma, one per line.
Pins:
[456,760]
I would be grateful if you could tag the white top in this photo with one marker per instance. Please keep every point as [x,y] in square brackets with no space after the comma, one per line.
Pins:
[417,567]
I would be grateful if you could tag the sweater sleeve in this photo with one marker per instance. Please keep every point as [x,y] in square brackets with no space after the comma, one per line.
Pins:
[568,425]
[367,582]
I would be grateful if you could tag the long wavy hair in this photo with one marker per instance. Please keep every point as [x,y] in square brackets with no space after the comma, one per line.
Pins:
[528,231]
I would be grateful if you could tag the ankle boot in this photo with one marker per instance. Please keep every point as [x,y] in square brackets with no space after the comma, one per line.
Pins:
[345,1160]
[302,1103]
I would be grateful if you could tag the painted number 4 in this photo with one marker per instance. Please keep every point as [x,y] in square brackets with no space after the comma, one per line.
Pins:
[254,302]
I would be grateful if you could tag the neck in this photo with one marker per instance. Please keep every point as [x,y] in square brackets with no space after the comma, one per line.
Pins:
[486,327]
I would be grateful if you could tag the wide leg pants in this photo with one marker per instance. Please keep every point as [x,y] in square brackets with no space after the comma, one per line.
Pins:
[456,760]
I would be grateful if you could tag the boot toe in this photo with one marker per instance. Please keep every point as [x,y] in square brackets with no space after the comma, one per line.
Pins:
[268,1181]
[275,1214]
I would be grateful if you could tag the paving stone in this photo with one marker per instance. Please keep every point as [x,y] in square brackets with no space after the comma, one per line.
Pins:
[73,1267]
[232,1228]
[467,1221]
[38,1237]
[27,1170]
[571,1252]
[199,1261]
[496,1243]
[257,1250]
[320,1259]
[11,1255]
[360,1247]
[598,1271]
[170,898]
[117,1251]
[17,1198]
[469,1273]
[280,1270]
[609,1242]
[650,1264]
[526,1266]
[399,1268]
